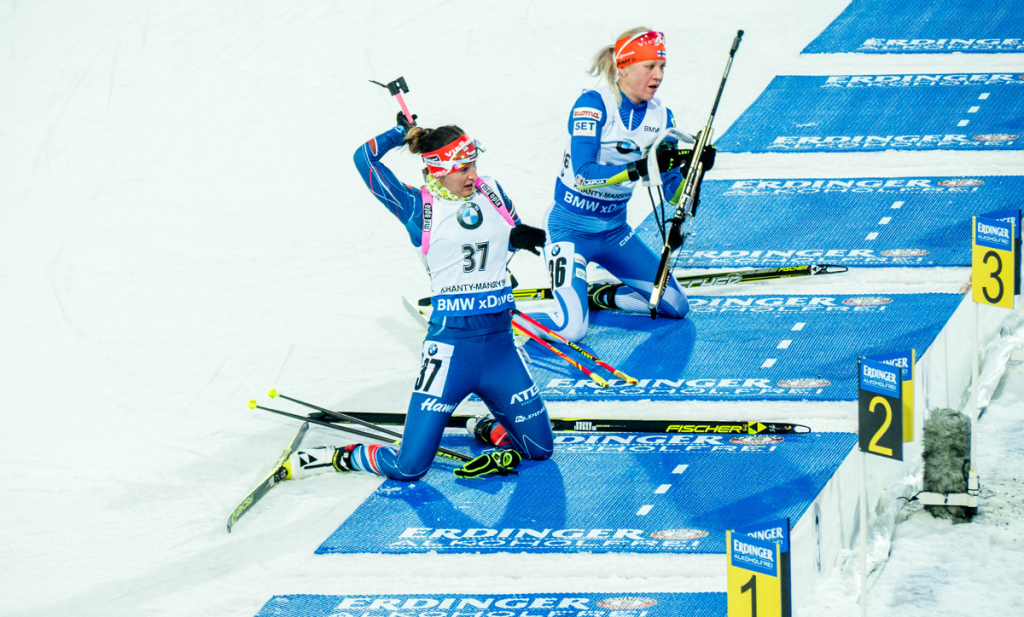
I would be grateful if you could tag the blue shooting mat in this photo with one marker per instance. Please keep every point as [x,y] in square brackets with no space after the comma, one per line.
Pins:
[746,348]
[935,26]
[870,113]
[600,493]
[891,222]
[503,605]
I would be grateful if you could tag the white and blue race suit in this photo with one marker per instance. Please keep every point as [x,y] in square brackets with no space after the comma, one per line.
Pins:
[587,219]
[469,346]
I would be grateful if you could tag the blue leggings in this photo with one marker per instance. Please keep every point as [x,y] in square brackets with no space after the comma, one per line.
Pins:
[621,253]
[489,366]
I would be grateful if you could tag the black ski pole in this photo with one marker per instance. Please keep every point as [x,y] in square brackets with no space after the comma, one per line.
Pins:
[337,415]
[440,451]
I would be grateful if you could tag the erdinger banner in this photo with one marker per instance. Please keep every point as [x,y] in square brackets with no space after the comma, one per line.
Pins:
[880,425]
[496,605]
[753,347]
[872,113]
[939,27]
[913,221]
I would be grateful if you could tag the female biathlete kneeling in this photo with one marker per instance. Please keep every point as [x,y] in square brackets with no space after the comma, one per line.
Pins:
[464,227]
[610,131]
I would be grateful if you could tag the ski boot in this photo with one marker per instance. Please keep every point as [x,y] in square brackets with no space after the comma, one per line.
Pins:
[313,461]
[488,430]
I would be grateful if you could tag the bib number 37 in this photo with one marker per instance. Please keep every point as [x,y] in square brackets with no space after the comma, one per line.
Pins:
[436,359]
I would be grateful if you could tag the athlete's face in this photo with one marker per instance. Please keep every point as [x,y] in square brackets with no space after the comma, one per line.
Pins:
[640,81]
[461,181]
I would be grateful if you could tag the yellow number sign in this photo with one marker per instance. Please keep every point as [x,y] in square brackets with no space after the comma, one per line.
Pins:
[993,262]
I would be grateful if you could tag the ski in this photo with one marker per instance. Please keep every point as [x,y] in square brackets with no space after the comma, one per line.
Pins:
[418,314]
[592,425]
[732,277]
[269,481]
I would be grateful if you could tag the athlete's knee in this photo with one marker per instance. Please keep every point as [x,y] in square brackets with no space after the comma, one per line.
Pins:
[394,474]
[408,472]
[674,305]
[411,463]
[574,329]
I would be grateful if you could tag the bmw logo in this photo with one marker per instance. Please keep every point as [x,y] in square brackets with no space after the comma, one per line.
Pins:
[627,146]
[432,349]
[469,216]
[555,250]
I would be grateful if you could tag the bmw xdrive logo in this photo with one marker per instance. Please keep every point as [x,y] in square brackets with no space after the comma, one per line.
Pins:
[469,216]
[432,349]
[555,250]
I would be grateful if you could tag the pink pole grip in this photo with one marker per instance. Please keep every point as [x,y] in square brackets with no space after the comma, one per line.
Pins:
[405,110]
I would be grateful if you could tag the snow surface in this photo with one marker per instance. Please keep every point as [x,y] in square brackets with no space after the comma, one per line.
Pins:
[181,229]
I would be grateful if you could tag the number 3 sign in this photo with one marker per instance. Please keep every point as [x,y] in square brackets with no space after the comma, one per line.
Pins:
[993,264]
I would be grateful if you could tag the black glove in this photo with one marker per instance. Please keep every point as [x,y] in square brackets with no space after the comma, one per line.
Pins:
[526,237]
[403,122]
[668,159]
[707,157]
[675,234]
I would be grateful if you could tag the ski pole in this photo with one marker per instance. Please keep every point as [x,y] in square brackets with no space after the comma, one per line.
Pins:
[440,451]
[597,378]
[338,415]
[608,367]
[396,88]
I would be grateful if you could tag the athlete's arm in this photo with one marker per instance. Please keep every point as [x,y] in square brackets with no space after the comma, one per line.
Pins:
[399,198]
[508,203]
[586,121]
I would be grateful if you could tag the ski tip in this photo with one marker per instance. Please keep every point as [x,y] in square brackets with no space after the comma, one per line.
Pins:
[252,404]
[272,393]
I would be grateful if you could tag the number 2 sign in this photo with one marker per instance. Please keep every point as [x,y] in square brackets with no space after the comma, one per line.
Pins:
[880,425]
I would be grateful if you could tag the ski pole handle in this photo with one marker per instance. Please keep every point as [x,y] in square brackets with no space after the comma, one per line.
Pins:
[396,88]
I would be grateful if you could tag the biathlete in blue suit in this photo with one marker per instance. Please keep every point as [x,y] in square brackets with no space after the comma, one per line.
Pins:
[464,227]
[609,132]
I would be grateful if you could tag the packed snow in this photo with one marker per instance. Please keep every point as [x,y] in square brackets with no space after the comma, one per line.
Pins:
[182,229]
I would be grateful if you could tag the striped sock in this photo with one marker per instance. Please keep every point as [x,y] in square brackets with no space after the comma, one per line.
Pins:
[364,458]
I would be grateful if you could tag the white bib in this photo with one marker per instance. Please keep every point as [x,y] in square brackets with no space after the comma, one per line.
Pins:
[619,144]
[466,256]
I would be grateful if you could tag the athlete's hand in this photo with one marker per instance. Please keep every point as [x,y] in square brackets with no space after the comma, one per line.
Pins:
[529,238]
[707,157]
[404,122]
[668,159]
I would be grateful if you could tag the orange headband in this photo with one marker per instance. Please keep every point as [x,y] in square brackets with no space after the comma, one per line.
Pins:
[641,47]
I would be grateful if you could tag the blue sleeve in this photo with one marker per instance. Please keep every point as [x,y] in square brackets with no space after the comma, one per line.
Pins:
[400,199]
[586,121]
[508,203]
